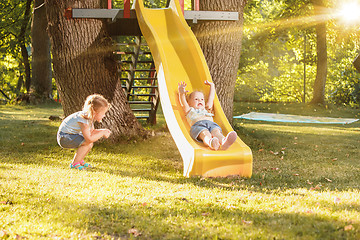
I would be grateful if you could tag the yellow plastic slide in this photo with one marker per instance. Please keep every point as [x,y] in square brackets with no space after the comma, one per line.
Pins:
[178,57]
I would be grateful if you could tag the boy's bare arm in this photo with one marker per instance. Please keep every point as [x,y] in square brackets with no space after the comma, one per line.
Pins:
[210,101]
[182,97]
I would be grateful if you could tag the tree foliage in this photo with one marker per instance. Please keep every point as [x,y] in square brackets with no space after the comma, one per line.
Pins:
[15,37]
[272,63]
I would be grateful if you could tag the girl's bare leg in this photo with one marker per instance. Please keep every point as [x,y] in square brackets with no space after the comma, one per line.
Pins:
[81,152]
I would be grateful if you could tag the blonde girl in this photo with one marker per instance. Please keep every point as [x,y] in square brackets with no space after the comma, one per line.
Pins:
[77,130]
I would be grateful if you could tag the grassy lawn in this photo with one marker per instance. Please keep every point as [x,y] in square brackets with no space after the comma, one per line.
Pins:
[305,183]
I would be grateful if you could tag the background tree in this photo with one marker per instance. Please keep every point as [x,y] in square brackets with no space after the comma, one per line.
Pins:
[321,52]
[41,59]
[22,42]
[221,44]
[83,64]
[14,31]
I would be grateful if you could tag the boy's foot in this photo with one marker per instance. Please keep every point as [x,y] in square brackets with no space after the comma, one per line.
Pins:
[77,166]
[229,140]
[84,164]
[214,143]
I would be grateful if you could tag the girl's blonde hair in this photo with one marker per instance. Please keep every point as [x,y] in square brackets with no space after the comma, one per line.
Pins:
[94,103]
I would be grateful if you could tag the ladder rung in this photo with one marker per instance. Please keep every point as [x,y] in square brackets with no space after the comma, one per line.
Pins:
[148,78]
[141,61]
[124,86]
[131,44]
[145,61]
[142,95]
[131,52]
[144,87]
[142,117]
[141,110]
[140,70]
[140,102]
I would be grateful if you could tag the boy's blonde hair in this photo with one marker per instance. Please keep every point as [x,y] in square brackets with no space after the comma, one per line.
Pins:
[92,104]
[189,96]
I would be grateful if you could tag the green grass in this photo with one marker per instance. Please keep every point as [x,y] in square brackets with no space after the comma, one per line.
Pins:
[305,183]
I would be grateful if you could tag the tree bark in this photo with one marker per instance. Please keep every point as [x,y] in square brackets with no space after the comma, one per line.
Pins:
[321,50]
[221,44]
[83,64]
[21,39]
[41,59]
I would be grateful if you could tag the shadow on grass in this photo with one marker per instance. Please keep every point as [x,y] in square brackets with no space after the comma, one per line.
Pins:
[191,220]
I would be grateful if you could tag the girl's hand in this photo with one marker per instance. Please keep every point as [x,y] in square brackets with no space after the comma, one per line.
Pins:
[182,86]
[208,83]
[107,133]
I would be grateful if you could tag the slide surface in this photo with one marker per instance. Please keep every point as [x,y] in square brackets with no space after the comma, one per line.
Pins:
[178,57]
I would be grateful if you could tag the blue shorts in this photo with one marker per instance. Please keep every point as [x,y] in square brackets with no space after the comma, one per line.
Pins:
[200,126]
[66,140]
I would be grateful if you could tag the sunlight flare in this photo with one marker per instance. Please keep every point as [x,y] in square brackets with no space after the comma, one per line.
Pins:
[350,12]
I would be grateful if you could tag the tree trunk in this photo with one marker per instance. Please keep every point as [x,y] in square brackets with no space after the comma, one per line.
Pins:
[41,59]
[21,39]
[321,50]
[221,44]
[83,64]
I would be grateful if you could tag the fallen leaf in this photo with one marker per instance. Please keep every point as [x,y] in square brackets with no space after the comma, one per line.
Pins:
[260,150]
[3,234]
[337,200]
[296,174]
[308,182]
[134,232]
[18,237]
[329,180]
[309,211]
[205,214]
[348,228]
[317,187]
[282,158]
[230,207]
[334,159]
[246,222]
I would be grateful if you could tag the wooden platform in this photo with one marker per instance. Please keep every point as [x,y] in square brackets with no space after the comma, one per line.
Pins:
[120,26]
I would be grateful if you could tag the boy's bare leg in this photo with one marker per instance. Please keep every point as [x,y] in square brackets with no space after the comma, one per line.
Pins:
[229,140]
[217,133]
[212,142]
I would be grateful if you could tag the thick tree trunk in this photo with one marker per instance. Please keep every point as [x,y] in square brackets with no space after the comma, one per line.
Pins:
[221,44]
[321,50]
[83,65]
[41,59]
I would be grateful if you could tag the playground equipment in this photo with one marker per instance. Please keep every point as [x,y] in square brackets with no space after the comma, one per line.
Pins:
[178,57]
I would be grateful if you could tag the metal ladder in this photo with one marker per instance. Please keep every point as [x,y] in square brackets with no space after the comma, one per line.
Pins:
[138,77]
